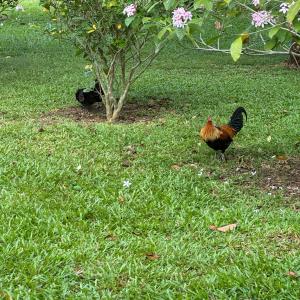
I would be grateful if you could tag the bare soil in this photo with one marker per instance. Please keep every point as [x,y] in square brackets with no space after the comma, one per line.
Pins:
[131,113]
[280,175]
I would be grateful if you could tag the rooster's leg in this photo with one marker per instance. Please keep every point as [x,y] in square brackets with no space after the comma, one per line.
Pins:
[217,155]
[223,157]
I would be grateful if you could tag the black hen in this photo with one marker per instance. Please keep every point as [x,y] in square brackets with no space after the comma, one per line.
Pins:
[91,97]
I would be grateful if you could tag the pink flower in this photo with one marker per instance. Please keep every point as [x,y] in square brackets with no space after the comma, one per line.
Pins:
[261,18]
[255,2]
[181,17]
[130,10]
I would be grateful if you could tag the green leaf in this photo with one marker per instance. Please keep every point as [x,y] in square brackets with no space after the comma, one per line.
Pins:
[297,26]
[146,20]
[197,4]
[282,36]
[152,6]
[269,45]
[110,4]
[129,20]
[236,48]
[169,4]
[196,21]
[162,33]
[293,11]
[180,33]
[213,40]
[194,28]
[78,52]
[208,4]
[273,31]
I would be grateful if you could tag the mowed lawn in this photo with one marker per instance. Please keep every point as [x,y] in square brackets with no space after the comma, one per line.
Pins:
[70,229]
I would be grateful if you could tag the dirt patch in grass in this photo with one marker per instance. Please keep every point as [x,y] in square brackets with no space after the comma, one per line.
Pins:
[277,175]
[285,237]
[282,175]
[285,241]
[131,113]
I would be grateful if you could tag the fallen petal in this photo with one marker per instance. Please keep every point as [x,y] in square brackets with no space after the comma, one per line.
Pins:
[223,228]
[292,274]
[152,256]
[175,167]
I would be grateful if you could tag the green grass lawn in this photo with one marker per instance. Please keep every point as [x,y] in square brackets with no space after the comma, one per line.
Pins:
[71,230]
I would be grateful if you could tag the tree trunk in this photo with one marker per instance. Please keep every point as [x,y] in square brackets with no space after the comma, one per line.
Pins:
[113,109]
[109,107]
[113,106]
[116,112]
[294,59]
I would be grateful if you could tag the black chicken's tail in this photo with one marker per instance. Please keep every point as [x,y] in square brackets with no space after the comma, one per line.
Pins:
[236,120]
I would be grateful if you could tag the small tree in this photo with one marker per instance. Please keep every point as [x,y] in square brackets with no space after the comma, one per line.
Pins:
[7,4]
[120,39]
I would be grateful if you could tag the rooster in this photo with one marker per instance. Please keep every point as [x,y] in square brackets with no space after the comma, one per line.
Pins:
[220,138]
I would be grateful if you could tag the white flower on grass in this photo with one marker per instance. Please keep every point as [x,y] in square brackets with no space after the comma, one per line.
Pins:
[200,172]
[19,7]
[126,183]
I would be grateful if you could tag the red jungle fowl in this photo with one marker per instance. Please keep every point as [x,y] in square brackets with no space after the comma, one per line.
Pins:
[219,138]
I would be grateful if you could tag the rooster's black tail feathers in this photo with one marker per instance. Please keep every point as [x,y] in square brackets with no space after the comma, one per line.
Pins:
[236,120]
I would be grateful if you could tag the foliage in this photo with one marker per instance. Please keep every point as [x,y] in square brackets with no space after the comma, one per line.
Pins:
[120,39]
[255,27]
[7,4]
